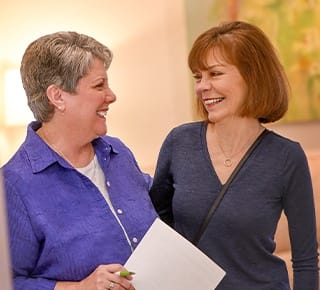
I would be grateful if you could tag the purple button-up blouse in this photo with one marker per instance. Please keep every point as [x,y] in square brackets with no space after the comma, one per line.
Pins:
[60,225]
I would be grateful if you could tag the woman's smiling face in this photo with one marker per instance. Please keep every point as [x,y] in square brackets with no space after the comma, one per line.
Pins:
[220,87]
[87,108]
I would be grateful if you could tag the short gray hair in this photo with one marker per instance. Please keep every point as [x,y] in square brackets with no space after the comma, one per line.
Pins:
[60,58]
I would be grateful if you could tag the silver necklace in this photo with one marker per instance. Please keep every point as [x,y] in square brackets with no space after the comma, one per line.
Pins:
[228,162]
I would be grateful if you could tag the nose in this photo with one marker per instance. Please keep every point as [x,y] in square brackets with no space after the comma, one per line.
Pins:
[203,84]
[110,97]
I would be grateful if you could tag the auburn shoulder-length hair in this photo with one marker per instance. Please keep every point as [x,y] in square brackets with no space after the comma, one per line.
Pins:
[248,48]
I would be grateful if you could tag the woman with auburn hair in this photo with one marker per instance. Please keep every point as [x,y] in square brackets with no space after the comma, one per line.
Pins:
[227,195]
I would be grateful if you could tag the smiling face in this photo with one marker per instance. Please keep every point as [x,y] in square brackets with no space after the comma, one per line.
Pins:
[220,87]
[85,111]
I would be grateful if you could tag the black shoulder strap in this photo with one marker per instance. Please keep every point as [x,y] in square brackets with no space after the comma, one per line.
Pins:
[225,187]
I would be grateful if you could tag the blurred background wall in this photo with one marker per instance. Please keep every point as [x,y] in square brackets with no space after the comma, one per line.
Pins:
[149,73]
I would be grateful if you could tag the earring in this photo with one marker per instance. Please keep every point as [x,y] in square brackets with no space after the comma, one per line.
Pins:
[61,108]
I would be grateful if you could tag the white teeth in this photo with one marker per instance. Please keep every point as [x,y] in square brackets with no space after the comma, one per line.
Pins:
[102,113]
[213,101]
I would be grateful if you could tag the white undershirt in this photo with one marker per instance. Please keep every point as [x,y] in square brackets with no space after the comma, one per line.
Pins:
[94,172]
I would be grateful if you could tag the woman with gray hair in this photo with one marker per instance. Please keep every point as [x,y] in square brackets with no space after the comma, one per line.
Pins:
[77,201]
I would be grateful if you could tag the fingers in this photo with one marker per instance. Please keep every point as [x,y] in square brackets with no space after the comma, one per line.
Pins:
[111,286]
[115,286]
[112,280]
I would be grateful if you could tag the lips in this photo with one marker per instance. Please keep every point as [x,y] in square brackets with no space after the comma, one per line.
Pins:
[102,113]
[213,101]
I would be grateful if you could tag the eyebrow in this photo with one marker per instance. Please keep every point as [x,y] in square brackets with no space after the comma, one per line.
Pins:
[99,79]
[215,65]
[210,67]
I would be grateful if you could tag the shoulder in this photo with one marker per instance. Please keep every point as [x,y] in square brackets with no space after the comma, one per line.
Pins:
[283,144]
[115,143]
[282,148]
[185,137]
[187,130]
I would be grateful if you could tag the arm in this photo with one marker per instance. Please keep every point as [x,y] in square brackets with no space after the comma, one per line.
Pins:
[25,252]
[24,246]
[300,212]
[162,189]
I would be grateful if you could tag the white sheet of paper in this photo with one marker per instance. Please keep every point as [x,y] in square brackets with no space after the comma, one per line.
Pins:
[166,260]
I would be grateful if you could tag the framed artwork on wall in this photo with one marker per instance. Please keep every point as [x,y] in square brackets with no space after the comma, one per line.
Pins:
[294,29]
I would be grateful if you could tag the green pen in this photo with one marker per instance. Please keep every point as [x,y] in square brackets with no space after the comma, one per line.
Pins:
[124,273]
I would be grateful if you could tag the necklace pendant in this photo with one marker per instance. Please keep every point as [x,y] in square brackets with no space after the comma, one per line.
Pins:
[227,162]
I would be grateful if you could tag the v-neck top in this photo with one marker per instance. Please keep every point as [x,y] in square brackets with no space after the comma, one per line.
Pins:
[240,235]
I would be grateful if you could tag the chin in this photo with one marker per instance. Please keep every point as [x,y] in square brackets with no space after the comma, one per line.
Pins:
[213,119]
[101,131]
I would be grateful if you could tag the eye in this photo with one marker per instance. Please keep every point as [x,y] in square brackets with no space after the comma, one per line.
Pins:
[100,85]
[197,76]
[215,73]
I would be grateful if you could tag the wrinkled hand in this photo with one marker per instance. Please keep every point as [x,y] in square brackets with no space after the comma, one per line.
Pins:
[102,278]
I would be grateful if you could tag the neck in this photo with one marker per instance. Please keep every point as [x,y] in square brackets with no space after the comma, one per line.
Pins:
[75,155]
[231,143]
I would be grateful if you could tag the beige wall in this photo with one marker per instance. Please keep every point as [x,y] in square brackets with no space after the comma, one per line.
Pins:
[149,72]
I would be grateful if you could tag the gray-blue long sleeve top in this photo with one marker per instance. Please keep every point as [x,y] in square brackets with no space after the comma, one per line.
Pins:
[240,235]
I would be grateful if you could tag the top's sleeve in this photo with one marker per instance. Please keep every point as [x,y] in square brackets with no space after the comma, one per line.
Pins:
[24,245]
[300,211]
[162,190]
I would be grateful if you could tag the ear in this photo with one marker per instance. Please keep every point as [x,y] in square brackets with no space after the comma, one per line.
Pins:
[54,94]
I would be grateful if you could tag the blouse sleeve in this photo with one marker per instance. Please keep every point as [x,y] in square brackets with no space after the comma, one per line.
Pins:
[24,245]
